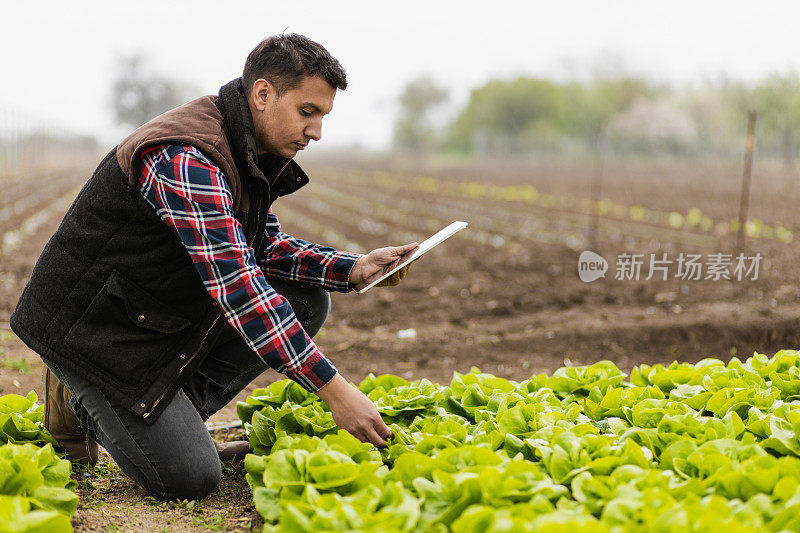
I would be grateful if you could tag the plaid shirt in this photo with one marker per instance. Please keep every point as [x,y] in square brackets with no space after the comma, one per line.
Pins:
[190,194]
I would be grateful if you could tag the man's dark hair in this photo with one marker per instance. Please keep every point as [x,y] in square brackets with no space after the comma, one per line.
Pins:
[284,60]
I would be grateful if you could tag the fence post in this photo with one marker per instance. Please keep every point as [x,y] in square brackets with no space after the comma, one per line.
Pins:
[595,192]
[744,203]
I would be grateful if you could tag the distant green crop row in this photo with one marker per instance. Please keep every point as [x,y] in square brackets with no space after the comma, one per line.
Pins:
[36,492]
[692,220]
[704,447]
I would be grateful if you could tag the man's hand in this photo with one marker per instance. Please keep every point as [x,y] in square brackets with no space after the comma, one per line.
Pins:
[354,412]
[370,267]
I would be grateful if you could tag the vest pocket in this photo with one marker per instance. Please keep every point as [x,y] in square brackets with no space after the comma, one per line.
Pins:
[125,331]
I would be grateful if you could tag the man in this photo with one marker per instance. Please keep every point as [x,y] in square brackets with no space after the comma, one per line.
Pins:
[169,286]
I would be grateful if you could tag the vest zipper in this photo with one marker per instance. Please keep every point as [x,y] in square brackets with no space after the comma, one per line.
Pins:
[202,342]
[282,169]
[214,323]
[255,233]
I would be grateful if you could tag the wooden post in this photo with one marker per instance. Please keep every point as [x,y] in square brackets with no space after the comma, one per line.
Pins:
[744,203]
[595,193]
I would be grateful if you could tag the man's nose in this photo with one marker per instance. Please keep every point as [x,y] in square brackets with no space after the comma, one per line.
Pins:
[314,130]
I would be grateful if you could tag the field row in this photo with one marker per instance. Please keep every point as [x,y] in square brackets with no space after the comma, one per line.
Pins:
[387,210]
[24,199]
[11,240]
[692,221]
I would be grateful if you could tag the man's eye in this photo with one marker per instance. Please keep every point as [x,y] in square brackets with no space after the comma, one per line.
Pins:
[305,113]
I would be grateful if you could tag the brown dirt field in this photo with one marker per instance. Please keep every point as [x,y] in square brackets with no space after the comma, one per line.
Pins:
[504,295]
[711,185]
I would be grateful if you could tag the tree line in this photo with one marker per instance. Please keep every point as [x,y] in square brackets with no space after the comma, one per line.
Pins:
[613,112]
[622,114]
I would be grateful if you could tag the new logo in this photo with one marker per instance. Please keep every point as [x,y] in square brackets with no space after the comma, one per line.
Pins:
[591,266]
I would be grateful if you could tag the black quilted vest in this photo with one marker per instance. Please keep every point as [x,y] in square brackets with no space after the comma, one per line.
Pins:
[114,295]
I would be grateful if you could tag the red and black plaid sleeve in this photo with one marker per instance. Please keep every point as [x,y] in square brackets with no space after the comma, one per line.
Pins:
[289,258]
[189,193]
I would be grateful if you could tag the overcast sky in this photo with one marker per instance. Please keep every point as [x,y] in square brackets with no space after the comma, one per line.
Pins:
[58,57]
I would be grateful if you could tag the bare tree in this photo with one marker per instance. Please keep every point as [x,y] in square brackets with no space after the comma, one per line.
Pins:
[413,129]
[139,95]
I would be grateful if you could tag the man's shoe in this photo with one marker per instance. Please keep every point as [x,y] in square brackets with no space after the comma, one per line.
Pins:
[61,422]
[233,450]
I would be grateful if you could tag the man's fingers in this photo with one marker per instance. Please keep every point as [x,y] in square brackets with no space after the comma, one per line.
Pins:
[408,248]
[384,431]
[367,434]
[354,412]
[374,438]
[375,432]
[404,250]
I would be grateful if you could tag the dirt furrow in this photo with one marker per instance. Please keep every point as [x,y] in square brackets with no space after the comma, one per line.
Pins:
[544,224]
[12,240]
[310,226]
[33,199]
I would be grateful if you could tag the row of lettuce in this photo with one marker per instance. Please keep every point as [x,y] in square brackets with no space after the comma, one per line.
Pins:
[36,492]
[692,220]
[689,447]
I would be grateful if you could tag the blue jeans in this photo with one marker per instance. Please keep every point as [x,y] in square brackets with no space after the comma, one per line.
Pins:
[174,456]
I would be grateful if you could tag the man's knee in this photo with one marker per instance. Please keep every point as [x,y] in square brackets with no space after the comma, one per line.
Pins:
[320,303]
[200,482]
[191,480]
[185,471]
[311,304]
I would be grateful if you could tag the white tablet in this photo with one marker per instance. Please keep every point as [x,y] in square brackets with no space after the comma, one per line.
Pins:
[424,246]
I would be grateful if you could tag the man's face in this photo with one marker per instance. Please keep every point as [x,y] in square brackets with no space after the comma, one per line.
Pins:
[286,124]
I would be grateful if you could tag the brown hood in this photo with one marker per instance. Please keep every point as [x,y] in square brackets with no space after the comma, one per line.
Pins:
[198,123]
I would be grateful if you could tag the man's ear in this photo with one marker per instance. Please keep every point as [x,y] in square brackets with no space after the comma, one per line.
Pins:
[263,91]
